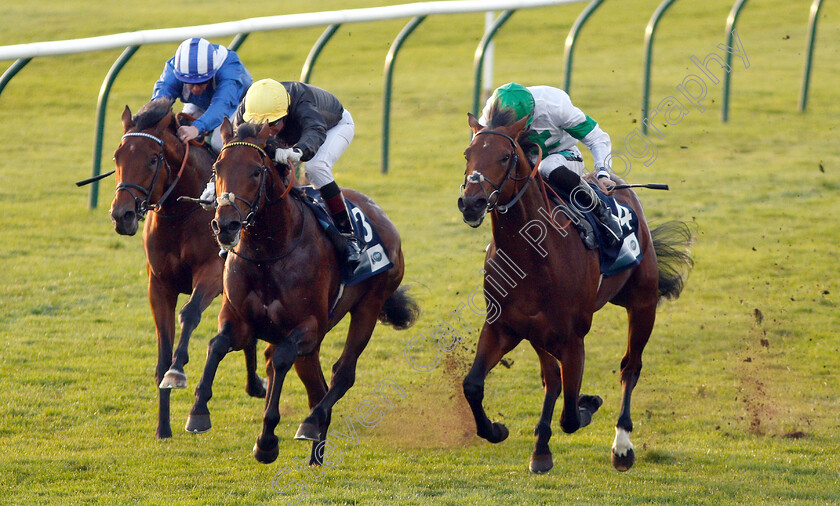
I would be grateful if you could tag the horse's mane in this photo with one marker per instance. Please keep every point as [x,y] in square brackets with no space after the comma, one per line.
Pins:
[503,117]
[245,130]
[150,114]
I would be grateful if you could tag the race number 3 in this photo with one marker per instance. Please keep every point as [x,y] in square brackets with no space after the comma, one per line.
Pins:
[366,230]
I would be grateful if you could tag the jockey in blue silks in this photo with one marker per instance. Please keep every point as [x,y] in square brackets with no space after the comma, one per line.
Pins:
[210,80]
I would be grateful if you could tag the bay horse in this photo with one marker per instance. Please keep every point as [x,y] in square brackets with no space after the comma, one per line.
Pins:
[154,169]
[555,287]
[282,285]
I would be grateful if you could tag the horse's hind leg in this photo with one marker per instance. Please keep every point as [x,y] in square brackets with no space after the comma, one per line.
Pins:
[162,301]
[202,295]
[492,346]
[541,461]
[641,318]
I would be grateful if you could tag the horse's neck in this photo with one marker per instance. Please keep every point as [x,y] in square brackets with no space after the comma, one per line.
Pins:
[527,231]
[277,225]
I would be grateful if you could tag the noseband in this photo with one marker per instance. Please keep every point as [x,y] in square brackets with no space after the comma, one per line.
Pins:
[479,178]
[229,199]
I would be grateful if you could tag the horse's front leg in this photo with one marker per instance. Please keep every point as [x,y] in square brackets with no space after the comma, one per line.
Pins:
[254,386]
[232,331]
[283,357]
[362,321]
[309,370]
[493,344]
[207,285]
[541,461]
[577,409]
[162,300]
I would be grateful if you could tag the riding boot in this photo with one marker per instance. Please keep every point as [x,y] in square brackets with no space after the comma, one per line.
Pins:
[341,217]
[585,196]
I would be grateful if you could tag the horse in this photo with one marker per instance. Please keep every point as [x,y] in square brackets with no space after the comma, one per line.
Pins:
[181,253]
[282,284]
[554,288]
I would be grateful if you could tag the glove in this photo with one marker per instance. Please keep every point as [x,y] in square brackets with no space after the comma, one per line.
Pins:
[208,195]
[288,156]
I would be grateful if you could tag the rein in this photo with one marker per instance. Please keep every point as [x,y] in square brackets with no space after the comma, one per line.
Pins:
[477,177]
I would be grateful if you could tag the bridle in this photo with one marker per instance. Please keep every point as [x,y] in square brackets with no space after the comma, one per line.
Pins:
[142,205]
[229,199]
[479,178]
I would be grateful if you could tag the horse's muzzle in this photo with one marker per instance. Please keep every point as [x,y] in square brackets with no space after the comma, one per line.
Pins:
[125,220]
[226,231]
[474,208]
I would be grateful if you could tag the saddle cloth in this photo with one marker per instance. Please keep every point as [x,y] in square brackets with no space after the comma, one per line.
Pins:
[614,258]
[374,255]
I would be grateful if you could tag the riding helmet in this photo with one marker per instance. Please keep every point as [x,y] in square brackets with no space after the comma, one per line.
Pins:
[197,60]
[266,101]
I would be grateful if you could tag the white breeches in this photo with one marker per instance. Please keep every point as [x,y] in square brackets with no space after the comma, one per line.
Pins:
[570,158]
[215,136]
[339,137]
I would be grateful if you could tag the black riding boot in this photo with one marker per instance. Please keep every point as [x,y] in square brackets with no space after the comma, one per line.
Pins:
[586,198]
[341,217]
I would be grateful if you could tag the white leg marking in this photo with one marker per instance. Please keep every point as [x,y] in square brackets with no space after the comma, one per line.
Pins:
[622,442]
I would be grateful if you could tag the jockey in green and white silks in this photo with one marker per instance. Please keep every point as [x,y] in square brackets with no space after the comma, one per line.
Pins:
[556,126]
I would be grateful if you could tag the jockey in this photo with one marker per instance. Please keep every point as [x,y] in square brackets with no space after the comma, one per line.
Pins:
[317,129]
[210,80]
[556,126]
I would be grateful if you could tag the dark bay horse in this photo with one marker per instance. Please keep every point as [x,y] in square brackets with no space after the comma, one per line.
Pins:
[554,287]
[282,285]
[181,253]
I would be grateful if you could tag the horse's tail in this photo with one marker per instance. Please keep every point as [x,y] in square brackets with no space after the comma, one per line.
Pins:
[671,241]
[400,310]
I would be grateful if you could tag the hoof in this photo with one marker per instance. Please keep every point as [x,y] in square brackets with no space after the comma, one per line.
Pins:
[541,464]
[500,433]
[308,432]
[163,432]
[266,456]
[623,463]
[198,424]
[590,403]
[257,389]
[173,379]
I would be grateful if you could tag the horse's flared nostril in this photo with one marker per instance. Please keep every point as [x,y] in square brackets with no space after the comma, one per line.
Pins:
[215,226]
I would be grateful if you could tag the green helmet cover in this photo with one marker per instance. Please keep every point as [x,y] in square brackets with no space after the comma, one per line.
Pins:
[517,98]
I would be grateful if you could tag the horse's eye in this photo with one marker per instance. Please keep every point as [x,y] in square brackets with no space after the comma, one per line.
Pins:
[153,162]
[506,158]
[256,173]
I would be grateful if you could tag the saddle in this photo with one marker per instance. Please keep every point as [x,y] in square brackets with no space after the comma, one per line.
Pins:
[374,258]
[614,258]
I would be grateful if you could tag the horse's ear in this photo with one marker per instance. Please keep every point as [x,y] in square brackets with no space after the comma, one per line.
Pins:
[515,129]
[126,119]
[474,124]
[265,133]
[164,122]
[226,130]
